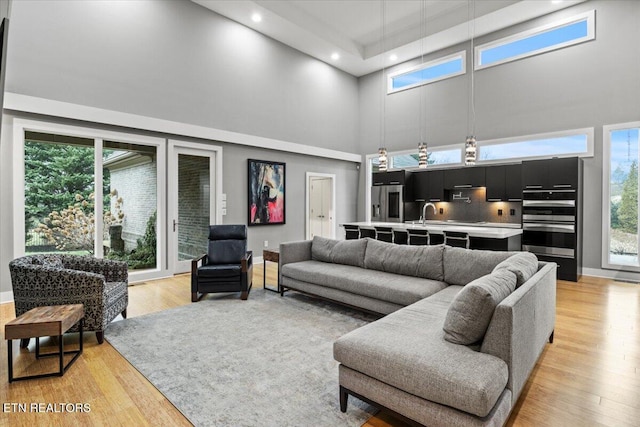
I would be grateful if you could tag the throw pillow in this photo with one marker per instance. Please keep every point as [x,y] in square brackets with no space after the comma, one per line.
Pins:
[523,265]
[471,310]
[321,249]
[462,266]
[375,254]
[349,252]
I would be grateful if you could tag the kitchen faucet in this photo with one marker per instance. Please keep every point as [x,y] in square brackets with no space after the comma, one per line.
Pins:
[424,211]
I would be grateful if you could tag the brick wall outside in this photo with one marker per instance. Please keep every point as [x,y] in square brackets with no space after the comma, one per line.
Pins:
[193,206]
[137,187]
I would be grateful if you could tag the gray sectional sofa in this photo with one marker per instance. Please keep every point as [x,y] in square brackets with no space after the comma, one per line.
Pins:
[462,329]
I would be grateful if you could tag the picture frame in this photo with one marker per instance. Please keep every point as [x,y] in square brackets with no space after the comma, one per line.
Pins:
[267,195]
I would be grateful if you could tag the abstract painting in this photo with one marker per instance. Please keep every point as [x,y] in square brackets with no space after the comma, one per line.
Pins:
[266,192]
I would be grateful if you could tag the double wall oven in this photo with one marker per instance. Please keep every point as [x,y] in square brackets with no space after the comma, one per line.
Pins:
[549,228]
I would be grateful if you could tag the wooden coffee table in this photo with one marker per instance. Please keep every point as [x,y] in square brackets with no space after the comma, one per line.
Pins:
[42,322]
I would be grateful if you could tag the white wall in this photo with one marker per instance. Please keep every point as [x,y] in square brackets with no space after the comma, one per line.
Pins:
[588,85]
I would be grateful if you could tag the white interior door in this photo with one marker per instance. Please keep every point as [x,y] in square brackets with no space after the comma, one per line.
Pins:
[194,192]
[320,205]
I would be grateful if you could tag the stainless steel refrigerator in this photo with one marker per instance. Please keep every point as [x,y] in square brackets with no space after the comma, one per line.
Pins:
[387,203]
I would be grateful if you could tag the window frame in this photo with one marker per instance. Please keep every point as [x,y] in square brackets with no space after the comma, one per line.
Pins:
[589,132]
[588,16]
[606,196]
[462,55]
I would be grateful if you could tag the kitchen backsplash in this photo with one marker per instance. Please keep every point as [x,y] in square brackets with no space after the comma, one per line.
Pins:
[470,205]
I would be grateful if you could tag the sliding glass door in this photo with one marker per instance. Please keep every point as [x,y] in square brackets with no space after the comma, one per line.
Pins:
[90,192]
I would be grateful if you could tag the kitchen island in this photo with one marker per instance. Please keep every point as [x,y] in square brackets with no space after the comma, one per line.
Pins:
[492,236]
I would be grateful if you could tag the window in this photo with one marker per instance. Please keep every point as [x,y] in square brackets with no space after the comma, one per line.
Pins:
[59,194]
[574,30]
[429,72]
[620,194]
[566,143]
[409,159]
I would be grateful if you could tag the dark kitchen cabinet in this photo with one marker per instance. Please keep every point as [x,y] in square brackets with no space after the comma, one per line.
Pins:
[420,186]
[468,177]
[389,178]
[435,188]
[428,186]
[563,173]
[550,173]
[535,174]
[513,184]
[504,183]
[495,178]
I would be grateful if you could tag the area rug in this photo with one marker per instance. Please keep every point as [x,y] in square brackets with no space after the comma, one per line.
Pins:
[267,361]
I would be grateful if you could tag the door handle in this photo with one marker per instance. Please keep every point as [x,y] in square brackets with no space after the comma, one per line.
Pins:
[174,225]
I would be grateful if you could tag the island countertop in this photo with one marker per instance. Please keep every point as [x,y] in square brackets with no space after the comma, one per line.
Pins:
[485,230]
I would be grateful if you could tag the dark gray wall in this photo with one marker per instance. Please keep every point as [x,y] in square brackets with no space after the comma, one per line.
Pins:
[588,85]
[178,61]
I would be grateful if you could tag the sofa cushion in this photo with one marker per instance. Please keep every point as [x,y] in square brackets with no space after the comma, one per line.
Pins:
[471,310]
[524,265]
[417,261]
[406,350]
[402,290]
[346,252]
[462,266]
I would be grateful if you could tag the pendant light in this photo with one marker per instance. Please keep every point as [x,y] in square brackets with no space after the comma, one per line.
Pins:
[382,151]
[422,155]
[382,159]
[422,145]
[470,146]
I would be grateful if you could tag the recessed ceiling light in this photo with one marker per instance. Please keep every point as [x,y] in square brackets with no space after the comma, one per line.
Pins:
[256,17]
[393,57]
[335,56]
[556,1]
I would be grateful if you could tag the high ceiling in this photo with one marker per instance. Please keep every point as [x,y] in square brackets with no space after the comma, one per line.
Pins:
[354,29]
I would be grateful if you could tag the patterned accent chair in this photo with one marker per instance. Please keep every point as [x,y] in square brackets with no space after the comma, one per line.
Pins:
[56,279]
[226,267]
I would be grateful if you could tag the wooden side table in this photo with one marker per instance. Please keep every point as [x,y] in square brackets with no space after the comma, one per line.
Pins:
[42,322]
[272,255]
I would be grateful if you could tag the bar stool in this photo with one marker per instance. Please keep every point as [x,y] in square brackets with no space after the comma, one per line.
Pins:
[384,234]
[400,237]
[457,239]
[418,237]
[351,232]
[367,232]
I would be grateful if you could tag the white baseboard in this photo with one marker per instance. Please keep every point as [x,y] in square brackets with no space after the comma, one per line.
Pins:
[6,297]
[612,274]
[257,260]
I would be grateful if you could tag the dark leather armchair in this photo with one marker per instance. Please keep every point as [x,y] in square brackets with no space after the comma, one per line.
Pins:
[227,267]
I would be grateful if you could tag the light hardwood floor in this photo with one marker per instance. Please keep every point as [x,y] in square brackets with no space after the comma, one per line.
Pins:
[589,376]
